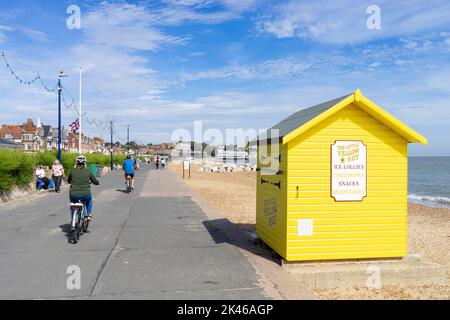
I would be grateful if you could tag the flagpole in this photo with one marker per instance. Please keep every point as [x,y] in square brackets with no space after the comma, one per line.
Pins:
[79,120]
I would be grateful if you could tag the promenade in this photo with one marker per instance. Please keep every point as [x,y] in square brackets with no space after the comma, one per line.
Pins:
[155,243]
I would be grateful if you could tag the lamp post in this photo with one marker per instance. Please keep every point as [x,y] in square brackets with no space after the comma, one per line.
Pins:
[79,120]
[112,150]
[128,139]
[61,75]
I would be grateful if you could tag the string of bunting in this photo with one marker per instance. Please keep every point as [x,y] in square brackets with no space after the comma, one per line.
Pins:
[36,79]
[90,119]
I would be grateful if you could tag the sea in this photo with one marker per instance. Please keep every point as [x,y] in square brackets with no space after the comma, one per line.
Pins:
[429,181]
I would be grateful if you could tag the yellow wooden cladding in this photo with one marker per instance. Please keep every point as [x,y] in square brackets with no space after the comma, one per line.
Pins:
[272,234]
[353,234]
[352,228]
[376,226]
[347,255]
[365,223]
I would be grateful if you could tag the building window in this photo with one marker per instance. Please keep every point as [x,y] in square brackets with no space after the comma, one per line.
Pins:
[27,137]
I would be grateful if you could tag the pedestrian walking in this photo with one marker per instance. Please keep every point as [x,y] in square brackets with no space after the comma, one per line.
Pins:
[58,174]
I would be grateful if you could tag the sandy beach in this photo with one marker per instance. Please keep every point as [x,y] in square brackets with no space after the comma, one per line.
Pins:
[234,194]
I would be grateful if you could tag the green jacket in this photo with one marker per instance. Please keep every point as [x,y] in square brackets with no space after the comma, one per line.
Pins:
[80,180]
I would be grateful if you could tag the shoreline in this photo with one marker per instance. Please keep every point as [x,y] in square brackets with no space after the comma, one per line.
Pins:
[425,203]
[195,174]
[428,206]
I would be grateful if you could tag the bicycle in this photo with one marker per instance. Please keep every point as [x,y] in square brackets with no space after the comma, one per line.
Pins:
[80,222]
[129,184]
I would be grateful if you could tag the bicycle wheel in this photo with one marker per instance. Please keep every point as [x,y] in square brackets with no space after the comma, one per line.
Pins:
[73,230]
[79,225]
[85,222]
[77,230]
[85,225]
[77,234]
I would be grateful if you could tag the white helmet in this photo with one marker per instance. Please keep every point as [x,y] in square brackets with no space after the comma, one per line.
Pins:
[81,159]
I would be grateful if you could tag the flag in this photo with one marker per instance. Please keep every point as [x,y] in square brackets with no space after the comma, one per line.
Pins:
[74,126]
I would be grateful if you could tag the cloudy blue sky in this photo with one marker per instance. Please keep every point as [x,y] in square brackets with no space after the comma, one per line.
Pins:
[161,65]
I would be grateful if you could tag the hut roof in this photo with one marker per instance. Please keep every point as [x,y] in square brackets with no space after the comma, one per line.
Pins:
[303,120]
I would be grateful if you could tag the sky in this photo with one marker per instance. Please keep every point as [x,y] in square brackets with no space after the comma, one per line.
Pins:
[159,66]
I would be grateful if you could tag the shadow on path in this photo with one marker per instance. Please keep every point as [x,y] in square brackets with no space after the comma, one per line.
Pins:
[224,231]
[66,228]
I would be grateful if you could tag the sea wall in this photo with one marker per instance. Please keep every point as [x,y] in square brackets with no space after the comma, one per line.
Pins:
[30,189]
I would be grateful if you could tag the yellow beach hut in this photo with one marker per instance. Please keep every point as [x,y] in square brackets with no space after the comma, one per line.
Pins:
[332,182]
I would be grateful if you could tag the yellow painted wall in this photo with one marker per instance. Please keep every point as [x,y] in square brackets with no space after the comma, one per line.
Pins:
[376,227]
[273,234]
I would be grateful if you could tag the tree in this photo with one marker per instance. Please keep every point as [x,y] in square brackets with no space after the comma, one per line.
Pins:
[132,145]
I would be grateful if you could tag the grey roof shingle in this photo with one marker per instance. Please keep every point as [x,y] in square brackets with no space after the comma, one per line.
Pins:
[8,143]
[299,118]
[46,130]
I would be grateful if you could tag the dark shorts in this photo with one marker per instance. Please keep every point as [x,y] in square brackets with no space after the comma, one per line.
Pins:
[129,174]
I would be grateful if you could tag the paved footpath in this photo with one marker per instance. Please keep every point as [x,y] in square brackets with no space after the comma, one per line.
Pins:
[152,244]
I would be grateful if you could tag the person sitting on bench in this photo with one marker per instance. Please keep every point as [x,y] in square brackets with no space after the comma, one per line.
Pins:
[42,182]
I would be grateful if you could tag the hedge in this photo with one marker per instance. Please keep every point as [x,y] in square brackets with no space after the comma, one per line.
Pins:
[17,168]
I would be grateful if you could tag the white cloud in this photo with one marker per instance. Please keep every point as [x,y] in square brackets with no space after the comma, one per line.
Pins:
[125,26]
[121,79]
[344,21]
[3,30]
[234,5]
[279,68]
[190,3]
[242,5]
[30,33]
[177,12]
[197,54]
[117,71]
[35,34]
[177,15]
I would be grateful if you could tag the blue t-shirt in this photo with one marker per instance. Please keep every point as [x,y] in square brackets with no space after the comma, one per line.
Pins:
[128,166]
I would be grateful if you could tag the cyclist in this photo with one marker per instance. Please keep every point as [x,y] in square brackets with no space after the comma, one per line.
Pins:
[80,180]
[129,166]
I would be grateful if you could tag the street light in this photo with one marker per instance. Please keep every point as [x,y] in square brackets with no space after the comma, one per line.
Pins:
[61,75]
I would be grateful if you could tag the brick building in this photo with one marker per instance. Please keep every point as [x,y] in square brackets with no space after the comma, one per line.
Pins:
[38,138]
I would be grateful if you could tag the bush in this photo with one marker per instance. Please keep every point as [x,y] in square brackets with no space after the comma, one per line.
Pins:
[45,158]
[25,172]
[69,159]
[16,168]
[68,162]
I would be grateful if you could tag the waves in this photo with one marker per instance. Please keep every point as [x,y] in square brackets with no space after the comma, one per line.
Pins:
[430,200]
